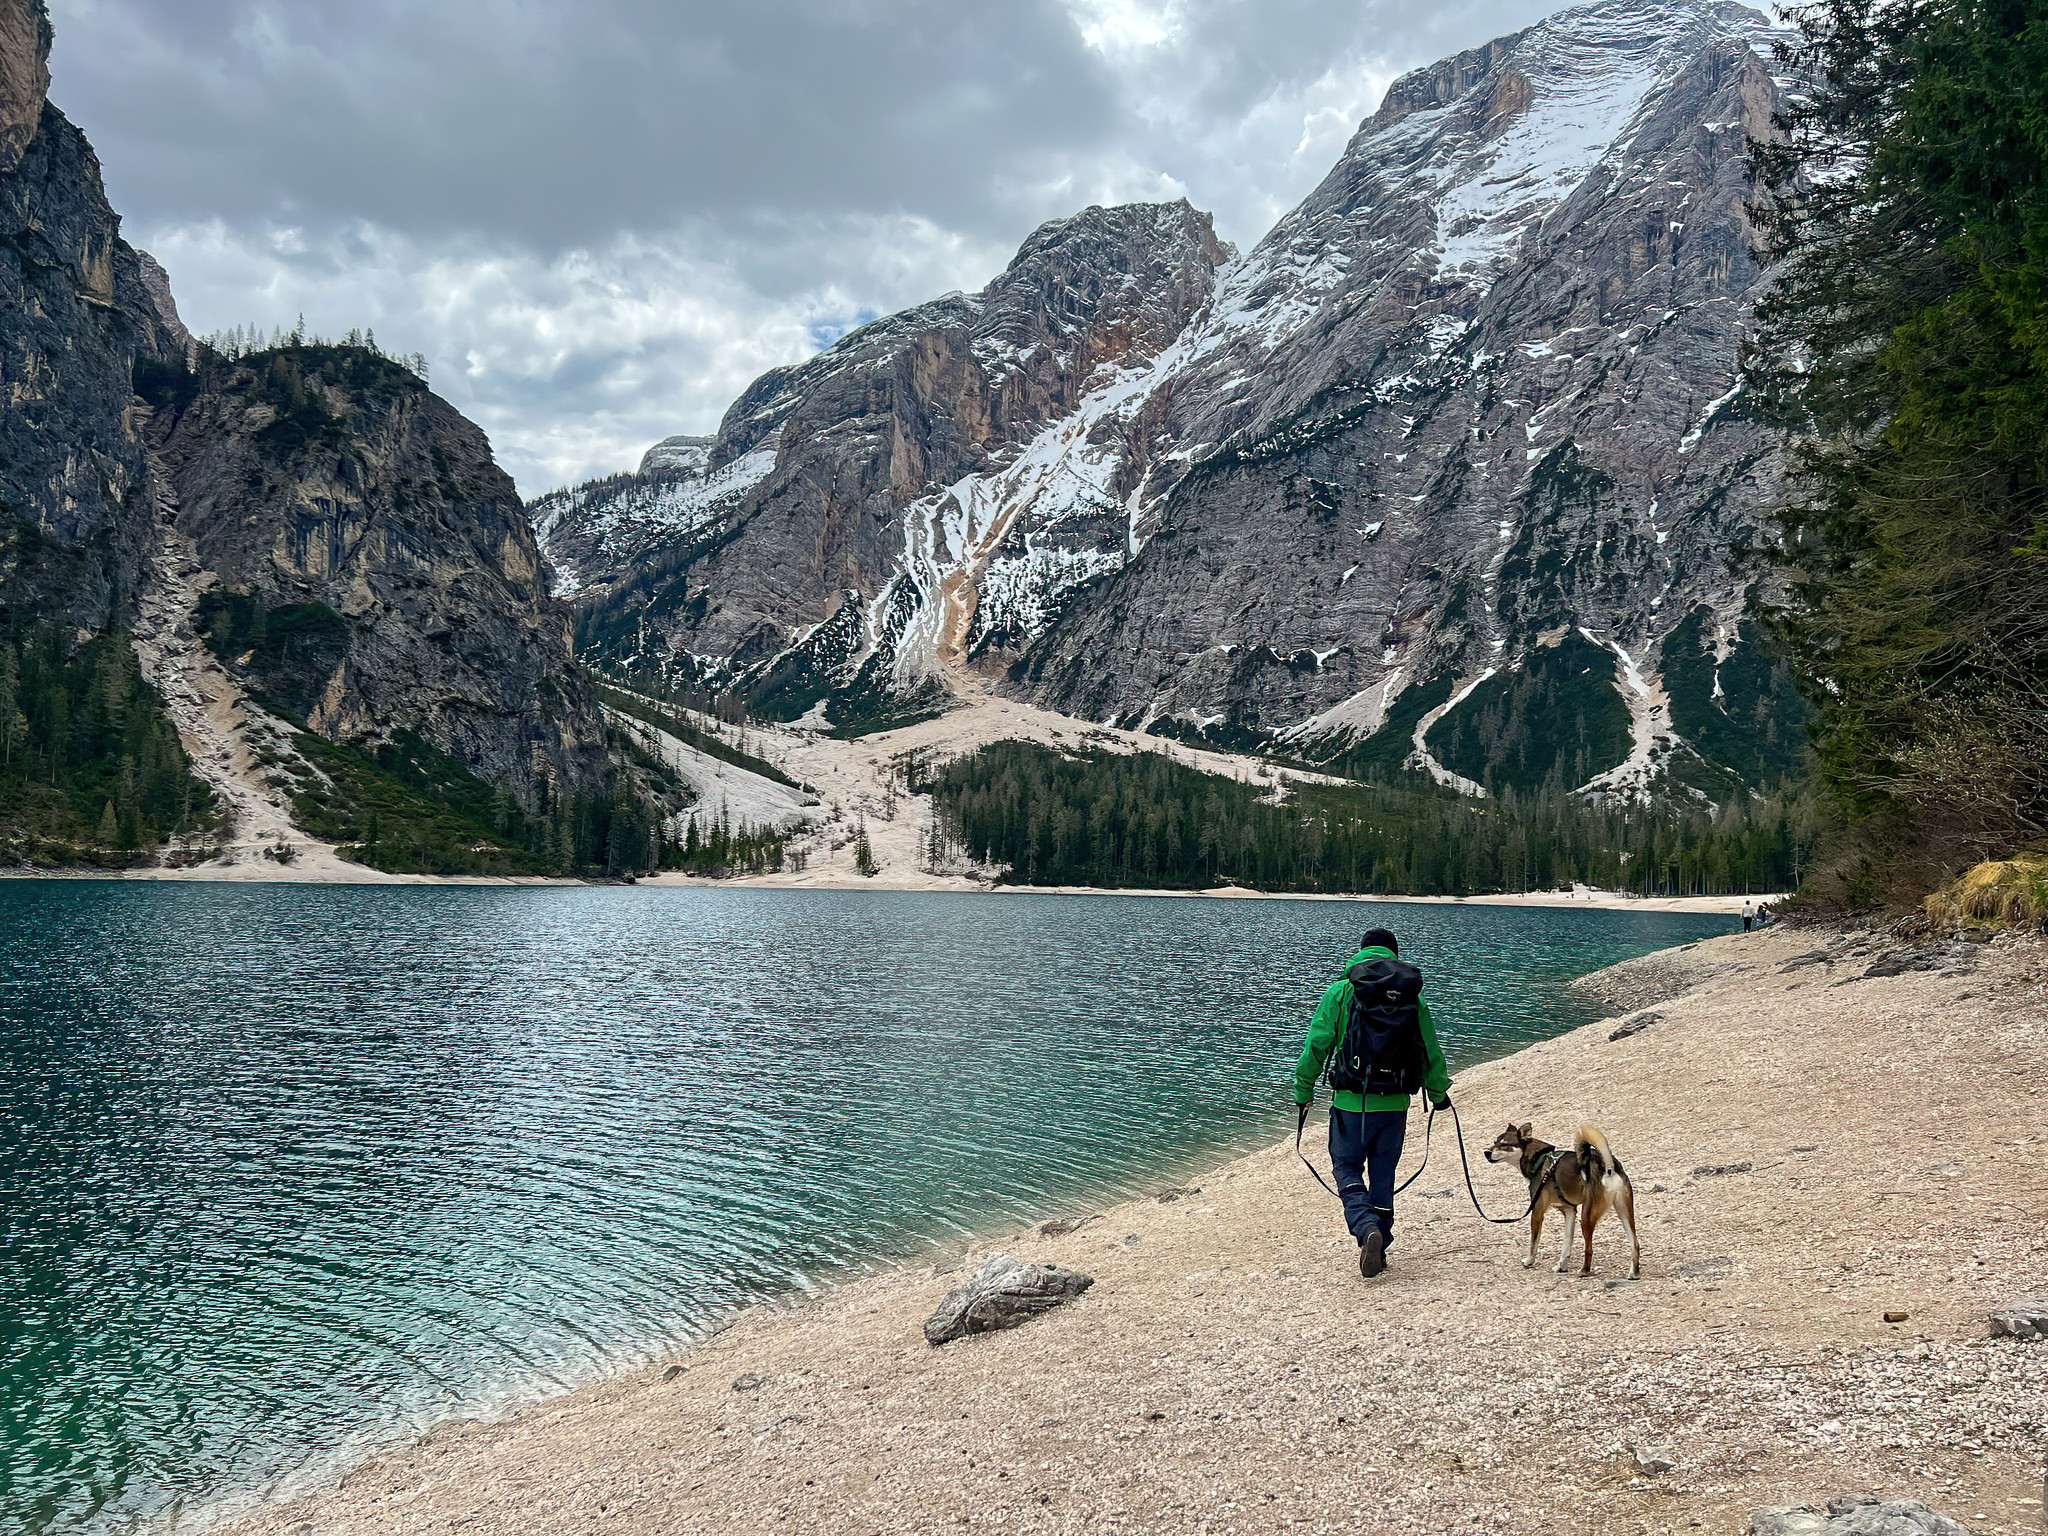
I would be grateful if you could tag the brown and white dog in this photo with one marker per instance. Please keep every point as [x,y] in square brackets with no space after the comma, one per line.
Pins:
[1588,1178]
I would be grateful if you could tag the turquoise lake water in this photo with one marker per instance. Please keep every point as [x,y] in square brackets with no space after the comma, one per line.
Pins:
[287,1172]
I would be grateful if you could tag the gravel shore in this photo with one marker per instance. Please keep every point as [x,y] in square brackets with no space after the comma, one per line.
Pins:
[1812,1149]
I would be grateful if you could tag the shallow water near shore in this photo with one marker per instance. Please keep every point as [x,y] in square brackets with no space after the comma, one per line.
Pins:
[294,1171]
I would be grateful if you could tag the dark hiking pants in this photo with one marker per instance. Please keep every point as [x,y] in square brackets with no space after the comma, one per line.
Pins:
[1364,1149]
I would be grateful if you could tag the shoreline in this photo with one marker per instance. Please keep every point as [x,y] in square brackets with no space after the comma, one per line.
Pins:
[361,875]
[1229,1352]
[1584,897]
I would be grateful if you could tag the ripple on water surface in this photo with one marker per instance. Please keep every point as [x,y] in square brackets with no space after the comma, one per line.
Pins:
[293,1170]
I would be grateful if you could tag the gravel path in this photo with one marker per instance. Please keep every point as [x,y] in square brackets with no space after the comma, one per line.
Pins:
[1230,1372]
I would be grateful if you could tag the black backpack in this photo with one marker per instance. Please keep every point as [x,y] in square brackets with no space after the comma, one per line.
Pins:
[1382,1050]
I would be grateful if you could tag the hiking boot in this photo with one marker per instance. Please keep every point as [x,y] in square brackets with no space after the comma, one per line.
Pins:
[1372,1253]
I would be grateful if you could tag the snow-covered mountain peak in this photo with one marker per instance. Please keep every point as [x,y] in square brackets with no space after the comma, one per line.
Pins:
[1477,152]
[687,455]
[1461,431]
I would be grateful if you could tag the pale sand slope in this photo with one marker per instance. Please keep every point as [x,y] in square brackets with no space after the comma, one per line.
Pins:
[858,785]
[1231,1372]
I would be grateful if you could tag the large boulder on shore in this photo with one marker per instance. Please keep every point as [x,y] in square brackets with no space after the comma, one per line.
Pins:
[2025,1318]
[1002,1294]
[1855,1514]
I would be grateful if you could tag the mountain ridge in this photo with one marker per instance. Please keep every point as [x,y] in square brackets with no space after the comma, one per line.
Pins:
[384,583]
[1477,394]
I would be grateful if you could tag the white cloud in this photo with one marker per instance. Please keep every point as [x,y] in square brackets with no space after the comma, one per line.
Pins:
[600,222]
[1117,27]
[574,364]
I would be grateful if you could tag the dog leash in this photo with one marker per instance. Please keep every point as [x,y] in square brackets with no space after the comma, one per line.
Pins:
[1499,1221]
[1428,1126]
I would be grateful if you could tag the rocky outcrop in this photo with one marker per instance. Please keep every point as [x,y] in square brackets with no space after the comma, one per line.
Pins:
[806,487]
[24,76]
[685,455]
[389,559]
[1856,1514]
[2024,1317]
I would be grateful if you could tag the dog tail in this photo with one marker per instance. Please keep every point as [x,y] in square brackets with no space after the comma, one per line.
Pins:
[1596,1158]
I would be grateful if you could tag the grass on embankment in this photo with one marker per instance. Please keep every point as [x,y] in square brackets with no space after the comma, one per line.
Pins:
[2008,891]
[411,810]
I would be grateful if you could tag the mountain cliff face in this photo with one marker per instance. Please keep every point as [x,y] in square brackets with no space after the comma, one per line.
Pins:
[1443,474]
[76,312]
[801,508]
[329,483]
[145,481]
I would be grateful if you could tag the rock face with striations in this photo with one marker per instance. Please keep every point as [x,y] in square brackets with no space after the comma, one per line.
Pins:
[1865,1514]
[1443,475]
[1002,1294]
[24,76]
[803,503]
[76,313]
[331,482]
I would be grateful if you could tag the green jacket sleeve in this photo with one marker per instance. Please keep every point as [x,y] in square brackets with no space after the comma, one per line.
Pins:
[1322,1038]
[1437,1081]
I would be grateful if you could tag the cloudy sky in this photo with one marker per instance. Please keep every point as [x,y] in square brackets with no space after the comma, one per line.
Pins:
[600,219]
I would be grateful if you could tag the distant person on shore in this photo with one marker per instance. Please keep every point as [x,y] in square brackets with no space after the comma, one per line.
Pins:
[1374,1030]
[1748,914]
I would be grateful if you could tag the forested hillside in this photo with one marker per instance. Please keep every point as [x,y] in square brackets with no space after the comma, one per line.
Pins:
[91,771]
[1102,818]
[1906,348]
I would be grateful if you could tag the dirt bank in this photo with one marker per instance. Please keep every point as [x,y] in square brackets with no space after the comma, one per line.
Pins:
[1886,1150]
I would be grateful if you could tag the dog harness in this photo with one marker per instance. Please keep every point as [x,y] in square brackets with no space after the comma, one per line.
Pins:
[1546,1172]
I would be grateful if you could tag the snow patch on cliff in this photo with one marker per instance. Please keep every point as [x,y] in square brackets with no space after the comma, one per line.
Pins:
[1652,738]
[625,514]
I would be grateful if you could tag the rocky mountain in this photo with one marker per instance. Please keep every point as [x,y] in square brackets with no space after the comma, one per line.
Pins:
[76,313]
[826,482]
[1442,475]
[314,505]
[328,484]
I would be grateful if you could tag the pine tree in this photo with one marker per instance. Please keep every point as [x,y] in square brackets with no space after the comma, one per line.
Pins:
[1906,202]
[13,724]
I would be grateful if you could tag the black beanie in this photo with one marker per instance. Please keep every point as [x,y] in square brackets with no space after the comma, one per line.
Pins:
[1379,938]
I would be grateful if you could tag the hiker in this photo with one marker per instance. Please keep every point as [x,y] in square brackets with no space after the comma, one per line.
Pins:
[1388,1043]
[1748,915]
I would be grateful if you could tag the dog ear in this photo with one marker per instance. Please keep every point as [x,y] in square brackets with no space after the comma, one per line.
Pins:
[1527,1127]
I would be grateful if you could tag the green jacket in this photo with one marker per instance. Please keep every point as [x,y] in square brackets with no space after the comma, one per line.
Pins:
[1327,1027]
